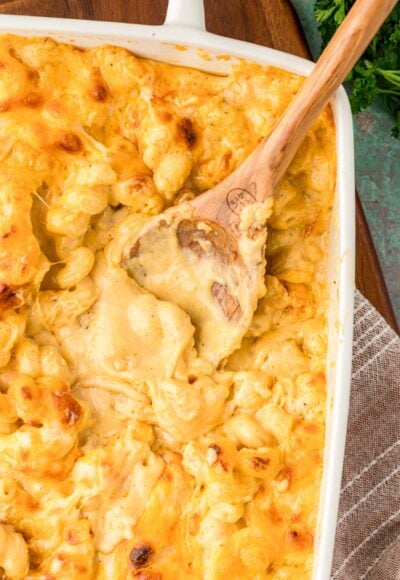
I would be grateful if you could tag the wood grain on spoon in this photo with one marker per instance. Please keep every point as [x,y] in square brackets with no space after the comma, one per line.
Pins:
[221,208]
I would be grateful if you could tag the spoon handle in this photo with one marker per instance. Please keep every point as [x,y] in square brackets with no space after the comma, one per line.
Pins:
[339,57]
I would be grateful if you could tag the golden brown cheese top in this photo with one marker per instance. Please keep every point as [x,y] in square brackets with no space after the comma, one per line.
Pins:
[126,450]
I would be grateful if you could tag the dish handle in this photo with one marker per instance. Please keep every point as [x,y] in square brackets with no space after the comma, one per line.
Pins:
[186,13]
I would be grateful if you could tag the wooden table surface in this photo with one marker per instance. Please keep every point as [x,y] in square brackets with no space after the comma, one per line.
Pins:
[267,22]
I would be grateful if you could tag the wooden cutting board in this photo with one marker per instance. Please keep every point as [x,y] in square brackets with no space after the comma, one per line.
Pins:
[270,23]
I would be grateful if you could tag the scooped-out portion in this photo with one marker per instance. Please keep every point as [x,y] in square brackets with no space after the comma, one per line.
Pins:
[150,425]
[203,268]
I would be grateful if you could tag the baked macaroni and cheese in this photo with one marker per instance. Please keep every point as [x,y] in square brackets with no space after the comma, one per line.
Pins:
[126,449]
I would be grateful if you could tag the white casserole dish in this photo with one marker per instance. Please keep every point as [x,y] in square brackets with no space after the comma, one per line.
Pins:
[184,27]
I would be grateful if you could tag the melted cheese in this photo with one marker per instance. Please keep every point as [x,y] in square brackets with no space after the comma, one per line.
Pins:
[138,438]
[175,273]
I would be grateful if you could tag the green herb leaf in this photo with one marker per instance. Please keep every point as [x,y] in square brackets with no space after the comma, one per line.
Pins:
[378,70]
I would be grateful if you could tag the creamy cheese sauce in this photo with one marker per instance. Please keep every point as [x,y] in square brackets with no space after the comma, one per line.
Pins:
[185,261]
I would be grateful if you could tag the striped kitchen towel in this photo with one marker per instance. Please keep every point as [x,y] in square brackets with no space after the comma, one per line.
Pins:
[368,529]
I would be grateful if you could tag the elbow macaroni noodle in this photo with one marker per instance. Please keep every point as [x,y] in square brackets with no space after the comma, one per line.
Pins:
[123,452]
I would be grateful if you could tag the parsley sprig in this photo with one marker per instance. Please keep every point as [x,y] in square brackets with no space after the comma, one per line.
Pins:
[378,70]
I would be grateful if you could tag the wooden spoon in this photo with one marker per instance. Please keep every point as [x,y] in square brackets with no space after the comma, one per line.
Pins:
[210,230]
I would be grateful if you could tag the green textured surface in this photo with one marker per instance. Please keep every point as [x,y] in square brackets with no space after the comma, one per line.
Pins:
[377,171]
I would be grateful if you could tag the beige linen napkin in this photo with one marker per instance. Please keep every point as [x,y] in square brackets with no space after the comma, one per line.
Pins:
[368,529]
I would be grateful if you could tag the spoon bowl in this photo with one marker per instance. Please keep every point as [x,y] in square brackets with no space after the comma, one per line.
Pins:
[214,273]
